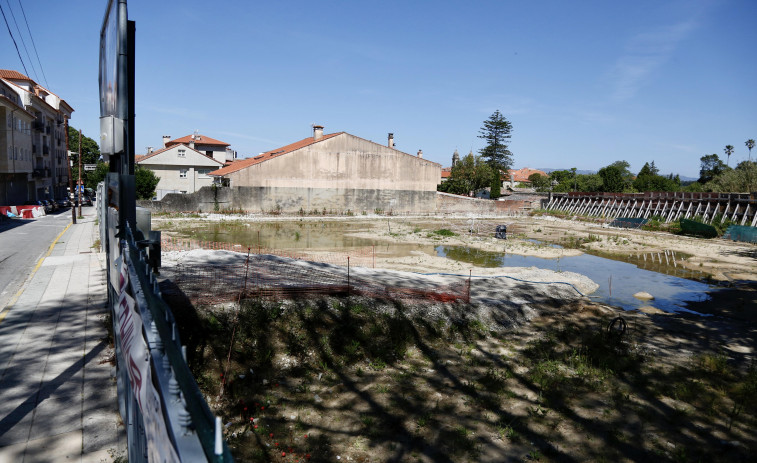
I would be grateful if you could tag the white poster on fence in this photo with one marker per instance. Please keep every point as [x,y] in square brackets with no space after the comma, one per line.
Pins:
[133,345]
[159,444]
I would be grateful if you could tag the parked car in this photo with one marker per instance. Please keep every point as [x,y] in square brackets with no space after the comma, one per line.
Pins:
[42,204]
[51,203]
[65,202]
[85,200]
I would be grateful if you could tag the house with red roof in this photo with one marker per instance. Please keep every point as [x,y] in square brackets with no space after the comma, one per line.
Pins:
[519,178]
[336,171]
[183,165]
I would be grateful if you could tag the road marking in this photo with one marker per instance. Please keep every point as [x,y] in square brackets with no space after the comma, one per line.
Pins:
[13,300]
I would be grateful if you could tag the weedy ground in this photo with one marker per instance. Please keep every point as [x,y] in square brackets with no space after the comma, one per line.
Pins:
[313,380]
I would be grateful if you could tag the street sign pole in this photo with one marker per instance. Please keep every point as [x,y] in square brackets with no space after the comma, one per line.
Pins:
[79,186]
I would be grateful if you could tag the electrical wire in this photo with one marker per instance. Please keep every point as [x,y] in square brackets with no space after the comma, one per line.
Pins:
[33,44]
[14,40]
[23,42]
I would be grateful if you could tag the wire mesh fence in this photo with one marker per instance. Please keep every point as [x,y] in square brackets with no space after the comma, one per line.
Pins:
[274,277]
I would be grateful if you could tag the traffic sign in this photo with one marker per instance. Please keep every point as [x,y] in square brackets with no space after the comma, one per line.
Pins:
[90,166]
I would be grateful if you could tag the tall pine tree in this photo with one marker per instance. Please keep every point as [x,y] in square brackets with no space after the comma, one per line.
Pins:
[496,132]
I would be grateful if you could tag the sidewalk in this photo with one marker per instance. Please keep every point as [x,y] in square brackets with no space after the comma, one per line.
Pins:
[58,399]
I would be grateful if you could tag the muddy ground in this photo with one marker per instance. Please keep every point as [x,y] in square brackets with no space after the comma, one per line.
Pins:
[347,378]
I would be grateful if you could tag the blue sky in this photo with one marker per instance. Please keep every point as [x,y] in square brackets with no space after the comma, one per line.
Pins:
[583,83]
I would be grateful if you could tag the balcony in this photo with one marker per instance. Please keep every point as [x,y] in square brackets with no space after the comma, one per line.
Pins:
[39,126]
[37,173]
[45,149]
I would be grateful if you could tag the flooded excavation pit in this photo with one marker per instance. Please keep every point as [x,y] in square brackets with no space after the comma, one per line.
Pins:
[618,280]
[619,277]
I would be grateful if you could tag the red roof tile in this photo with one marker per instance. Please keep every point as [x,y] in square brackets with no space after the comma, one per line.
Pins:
[199,140]
[446,171]
[140,158]
[521,175]
[243,163]
[9,74]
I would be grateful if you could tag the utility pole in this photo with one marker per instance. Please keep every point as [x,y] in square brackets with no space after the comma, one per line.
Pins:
[80,186]
[70,177]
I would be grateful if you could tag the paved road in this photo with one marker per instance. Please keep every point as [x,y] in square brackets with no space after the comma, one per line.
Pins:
[22,243]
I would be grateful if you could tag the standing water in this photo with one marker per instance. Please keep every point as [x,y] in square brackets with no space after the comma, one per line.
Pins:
[618,281]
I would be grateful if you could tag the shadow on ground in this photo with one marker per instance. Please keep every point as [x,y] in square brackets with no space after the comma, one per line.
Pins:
[371,380]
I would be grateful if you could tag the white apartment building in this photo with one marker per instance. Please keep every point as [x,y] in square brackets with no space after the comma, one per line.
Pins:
[181,167]
[48,178]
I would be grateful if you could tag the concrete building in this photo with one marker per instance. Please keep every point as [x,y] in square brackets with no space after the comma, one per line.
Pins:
[15,148]
[181,167]
[49,176]
[337,171]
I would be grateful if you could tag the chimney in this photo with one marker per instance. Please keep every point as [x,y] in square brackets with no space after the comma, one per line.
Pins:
[149,149]
[390,143]
[317,132]
[166,139]
[420,154]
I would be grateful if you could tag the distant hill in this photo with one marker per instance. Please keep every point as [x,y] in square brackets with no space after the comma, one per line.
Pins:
[589,172]
[581,172]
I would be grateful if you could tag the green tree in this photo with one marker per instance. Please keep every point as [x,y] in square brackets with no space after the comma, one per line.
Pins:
[738,180]
[612,179]
[539,181]
[496,190]
[472,173]
[711,166]
[496,131]
[750,144]
[145,182]
[96,176]
[648,179]
[728,151]
[90,153]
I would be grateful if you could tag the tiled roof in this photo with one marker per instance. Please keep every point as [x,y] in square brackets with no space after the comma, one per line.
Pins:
[140,158]
[446,171]
[244,163]
[9,74]
[199,140]
[521,175]
[15,75]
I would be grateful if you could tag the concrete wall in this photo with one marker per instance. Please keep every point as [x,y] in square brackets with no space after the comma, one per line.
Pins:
[343,162]
[453,204]
[294,200]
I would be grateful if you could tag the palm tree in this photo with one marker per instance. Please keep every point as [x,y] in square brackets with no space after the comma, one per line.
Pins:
[750,145]
[728,151]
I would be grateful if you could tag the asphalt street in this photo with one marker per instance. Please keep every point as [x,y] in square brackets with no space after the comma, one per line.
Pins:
[22,244]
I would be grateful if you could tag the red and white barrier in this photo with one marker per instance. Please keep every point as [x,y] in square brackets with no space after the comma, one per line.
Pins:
[24,212]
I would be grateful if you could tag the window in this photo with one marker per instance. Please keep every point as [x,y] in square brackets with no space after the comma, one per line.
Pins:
[183,173]
[182,153]
[203,172]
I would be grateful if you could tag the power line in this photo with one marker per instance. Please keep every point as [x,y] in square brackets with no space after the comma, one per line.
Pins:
[14,40]
[23,42]
[33,45]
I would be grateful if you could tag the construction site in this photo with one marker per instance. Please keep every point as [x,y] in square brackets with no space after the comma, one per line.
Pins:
[420,339]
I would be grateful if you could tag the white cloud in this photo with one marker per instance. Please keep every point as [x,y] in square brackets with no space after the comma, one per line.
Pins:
[644,54]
